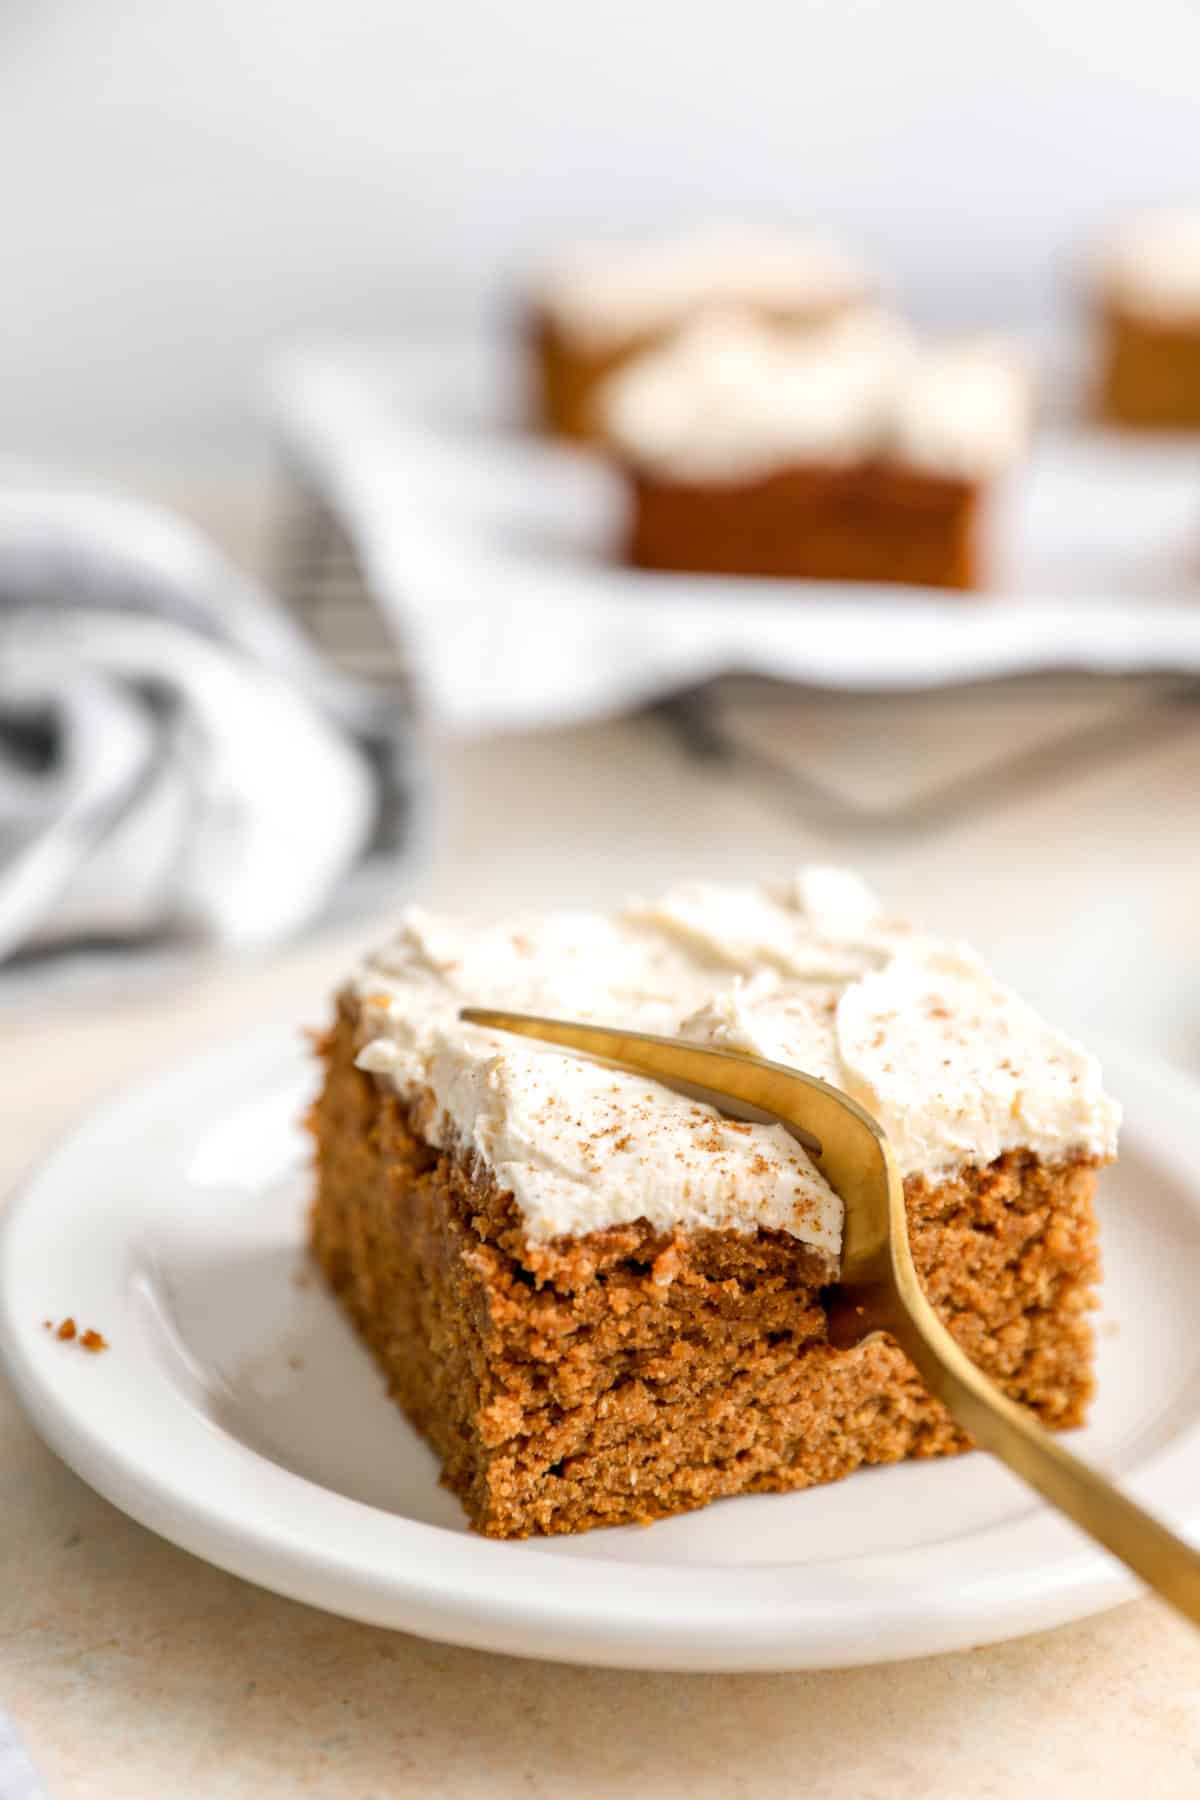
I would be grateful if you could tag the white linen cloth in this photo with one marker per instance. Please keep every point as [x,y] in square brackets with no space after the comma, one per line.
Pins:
[175,761]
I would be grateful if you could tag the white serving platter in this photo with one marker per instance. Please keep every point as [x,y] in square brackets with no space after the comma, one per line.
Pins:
[496,553]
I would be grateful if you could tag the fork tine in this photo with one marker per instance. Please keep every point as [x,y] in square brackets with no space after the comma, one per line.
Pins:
[847,1144]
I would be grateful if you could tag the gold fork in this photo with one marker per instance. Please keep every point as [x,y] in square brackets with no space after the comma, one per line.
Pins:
[879,1289]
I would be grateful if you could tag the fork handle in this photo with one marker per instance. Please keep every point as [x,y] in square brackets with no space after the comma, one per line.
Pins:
[1164,1561]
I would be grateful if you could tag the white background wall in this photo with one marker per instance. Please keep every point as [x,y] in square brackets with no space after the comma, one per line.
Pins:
[186,182]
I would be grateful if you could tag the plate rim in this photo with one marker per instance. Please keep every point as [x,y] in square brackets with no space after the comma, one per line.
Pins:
[452,1586]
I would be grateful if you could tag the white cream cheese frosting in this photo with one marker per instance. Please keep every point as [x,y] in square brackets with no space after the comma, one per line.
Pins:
[813,973]
[732,397]
[1153,266]
[602,296]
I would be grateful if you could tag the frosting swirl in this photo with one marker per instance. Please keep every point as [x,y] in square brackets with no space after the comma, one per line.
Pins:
[732,398]
[955,1066]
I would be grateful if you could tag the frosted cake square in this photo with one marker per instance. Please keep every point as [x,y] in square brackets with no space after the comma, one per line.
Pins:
[852,452]
[1148,301]
[601,1302]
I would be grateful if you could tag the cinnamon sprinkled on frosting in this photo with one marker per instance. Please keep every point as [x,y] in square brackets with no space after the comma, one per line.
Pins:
[956,1067]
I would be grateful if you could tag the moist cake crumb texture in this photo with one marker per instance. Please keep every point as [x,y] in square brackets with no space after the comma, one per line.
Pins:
[602,1302]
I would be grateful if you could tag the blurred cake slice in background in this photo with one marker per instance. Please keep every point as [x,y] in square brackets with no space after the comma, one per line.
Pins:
[1148,296]
[594,310]
[846,452]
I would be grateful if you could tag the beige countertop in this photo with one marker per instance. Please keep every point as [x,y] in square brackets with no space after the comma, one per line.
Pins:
[131,1668]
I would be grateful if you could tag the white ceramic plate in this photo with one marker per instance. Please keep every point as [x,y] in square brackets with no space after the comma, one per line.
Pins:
[236,1414]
